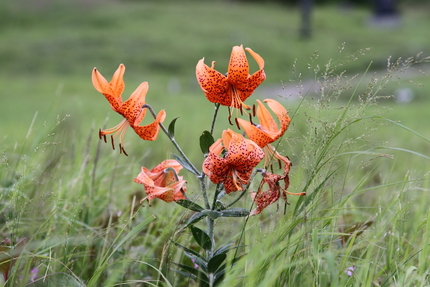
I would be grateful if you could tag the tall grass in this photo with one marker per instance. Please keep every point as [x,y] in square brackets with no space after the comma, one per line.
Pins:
[365,212]
[69,209]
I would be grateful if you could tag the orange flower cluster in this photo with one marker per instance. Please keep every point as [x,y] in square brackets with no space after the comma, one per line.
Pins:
[243,155]
[232,158]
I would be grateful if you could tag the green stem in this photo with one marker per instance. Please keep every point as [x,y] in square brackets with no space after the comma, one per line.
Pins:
[172,139]
[214,117]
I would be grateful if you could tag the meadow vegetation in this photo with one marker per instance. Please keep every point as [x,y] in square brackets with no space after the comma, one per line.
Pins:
[70,207]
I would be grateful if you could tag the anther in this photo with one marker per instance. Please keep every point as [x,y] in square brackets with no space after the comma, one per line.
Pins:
[237,123]
[122,150]
[229,119]
[253,110]
[250,119]
[241,110]
[113,143]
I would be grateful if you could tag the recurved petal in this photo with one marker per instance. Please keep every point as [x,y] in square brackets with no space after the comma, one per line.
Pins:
[282,115]
[213,83]
[172,163]
[144,178]
[258,136]
[217,147]
[215,167]
[253,82]
[257,58]
[117,82]
[111,93]
[169,193]
[238,68]
[132,108]
[243,153]
[150,132]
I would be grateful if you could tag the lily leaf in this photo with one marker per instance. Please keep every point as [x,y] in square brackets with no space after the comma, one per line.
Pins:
[195,254]
[171,128]
[225,248]
[213,214]
[189,205]
[206,140]
[201,237]
[235,212]
[215,262]
[185,164]
[187,268]
[196,217]
[198,261]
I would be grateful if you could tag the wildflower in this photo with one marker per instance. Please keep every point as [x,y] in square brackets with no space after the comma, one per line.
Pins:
[237,85]
[235,168]
[267,131]
[163,181]
[350,271]
[131,109]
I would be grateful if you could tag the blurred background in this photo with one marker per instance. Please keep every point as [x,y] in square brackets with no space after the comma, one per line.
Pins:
[48,49]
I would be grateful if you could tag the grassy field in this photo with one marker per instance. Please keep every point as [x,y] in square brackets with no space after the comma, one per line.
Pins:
[361,156]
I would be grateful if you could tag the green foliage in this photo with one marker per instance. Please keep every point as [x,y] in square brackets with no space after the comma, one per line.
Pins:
[365,173]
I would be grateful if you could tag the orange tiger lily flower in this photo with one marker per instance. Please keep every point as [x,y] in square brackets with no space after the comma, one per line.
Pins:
[235,87]
[267,131]
[131,109]
[235,169]
[265,198]
[163,182]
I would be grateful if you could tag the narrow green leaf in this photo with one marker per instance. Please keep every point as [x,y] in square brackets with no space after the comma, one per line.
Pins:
[196,217]
[186,274]
[215,262]
[190,205]
[219,277]
[206,140]
[187,268]
[235,212]
[198,261]
[189,250]
[171,128]
[213,214]
[225,248]
[185,164]
[201,237]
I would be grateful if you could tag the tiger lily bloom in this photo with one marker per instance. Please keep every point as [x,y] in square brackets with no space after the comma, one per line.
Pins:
[163,182]
[237,85]
[131,109]
[267,131]
[265,198]
[235,169]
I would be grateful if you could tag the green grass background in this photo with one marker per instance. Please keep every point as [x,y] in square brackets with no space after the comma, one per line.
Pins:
[70,195]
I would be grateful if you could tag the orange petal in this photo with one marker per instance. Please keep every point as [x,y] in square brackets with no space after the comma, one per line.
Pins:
[253,82]
[282,115]
[255,134]
[150,132]
[213,83]
[238,68]
[132,108]
[215,167]
[112,91]
[117,82]
[267,131]
[144,178]
[257,58]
